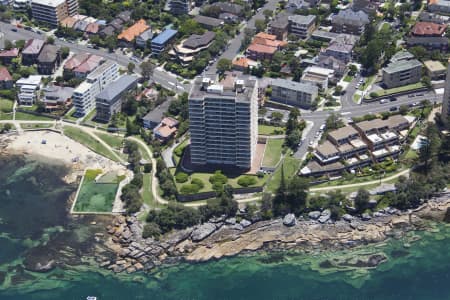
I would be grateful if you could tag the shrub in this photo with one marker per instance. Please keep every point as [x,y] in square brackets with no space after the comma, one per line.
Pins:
[147,168]
[181,177]
[189,188]
[151,230]
[373,95]
[246,181]
[218,178]
[198,182]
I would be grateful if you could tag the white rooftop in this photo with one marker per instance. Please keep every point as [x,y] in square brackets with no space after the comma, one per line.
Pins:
[51,3]
[374,138]
[358,143]
[380,152]
[31,80]
[394,148]
[319,71]
[388,135]
[83,87]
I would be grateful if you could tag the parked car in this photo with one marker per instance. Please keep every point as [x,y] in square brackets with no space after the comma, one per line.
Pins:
[393,108]
[393,99]
[382,101]
[14,29]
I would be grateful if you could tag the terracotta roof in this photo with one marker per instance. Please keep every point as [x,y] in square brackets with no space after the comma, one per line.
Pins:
[262,49]
[241,62]
[266,36]
[76,60]
[68,22]
[171,122]
[132,32]
[33,46]
[164,131]
[14,52]
[428,29]
[4,74]
[89,64]
[92,28]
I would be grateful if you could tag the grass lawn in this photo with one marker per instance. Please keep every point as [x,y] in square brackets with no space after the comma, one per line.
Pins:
[6,105]
[36,126]
[411,154]
[95,197]
[178,151]
[147,195]
[290,166]
[6,116]
[88,141]
[69,115]
[348,78]
[30,117]
[367,83]
[112,140]
[272,153]
[270,130]
[356,98]
[399,89]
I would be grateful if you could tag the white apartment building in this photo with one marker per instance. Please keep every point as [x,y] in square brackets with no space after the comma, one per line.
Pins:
[294,93]
[28,88]
[223,122]
[49,11]
[84,95]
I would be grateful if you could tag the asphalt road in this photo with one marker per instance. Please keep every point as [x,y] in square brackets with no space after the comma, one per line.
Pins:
[235,44]
[22,34]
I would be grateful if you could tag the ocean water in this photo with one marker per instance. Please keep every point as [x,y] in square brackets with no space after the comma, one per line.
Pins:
[34,221]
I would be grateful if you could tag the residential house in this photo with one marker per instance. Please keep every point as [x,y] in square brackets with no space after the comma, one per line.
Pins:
[279,26]
[160,42]
[128,35]
[31,51]
[28,88]
[56,97]
[188,48]
[368,6]
[154,117]
[242,63]
[68,22]
[329,62]
[144,38]
[208,22]
[302,26]
[349,21]
[340,48]
[402,70]
[107,31]
[87,66]
[92,28]
[427,29]
[439,6]
[430,43]
[294,5]
[148,94]
[80,25]
[125,16]
[435,69]
[229,18]
[264,46]
[48,59]
[431,17]
[166,129]
[231,8]
[6,80]
[6,56]
[294,93]
[109,101]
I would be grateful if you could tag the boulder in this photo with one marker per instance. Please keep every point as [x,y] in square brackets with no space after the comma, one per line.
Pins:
[245,223]
[378,214]
[366,217]
[289,220]
[324,219]
[230,221]
[347,217]
[314,215]
[203,231]
[238,227]
[373,203]
[44,267]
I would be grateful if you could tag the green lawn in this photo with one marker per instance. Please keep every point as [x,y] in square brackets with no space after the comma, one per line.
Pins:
[356,98]
[399,89]
[30,117]
[6,105]
[270,130]
[88,141]
[348,78]
[112,140]
[367,83]
[290,166]
[178,151]
[69,115]
[95,197]
[6,116]
[272,153]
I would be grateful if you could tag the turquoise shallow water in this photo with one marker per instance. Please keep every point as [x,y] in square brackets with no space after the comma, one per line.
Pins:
[421,271]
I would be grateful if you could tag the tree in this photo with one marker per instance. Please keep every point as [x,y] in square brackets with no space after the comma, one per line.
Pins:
[403,109]
[334,121]
[430,148]
[362,200]
[352,69]
[65,51]
[338,90]
[131,67]
[246,181]
[223,65]
[147,69]
[266,206]
[260,25]
[50,40]
[276,116]
[151,230]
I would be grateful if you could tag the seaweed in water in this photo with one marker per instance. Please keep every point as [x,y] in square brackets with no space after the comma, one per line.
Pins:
[272,258]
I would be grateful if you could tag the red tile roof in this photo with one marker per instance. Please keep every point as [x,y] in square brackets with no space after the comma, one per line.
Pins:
[92,28]
[14,52]
[428,29]
[89,65]
[4,74]
[262,49]
[132,32]
[76,60]
[266,36]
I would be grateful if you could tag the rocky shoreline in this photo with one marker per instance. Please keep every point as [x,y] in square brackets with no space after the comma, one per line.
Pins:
[222,237]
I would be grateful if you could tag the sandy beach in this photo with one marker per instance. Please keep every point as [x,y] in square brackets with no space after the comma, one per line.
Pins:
[55,146]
